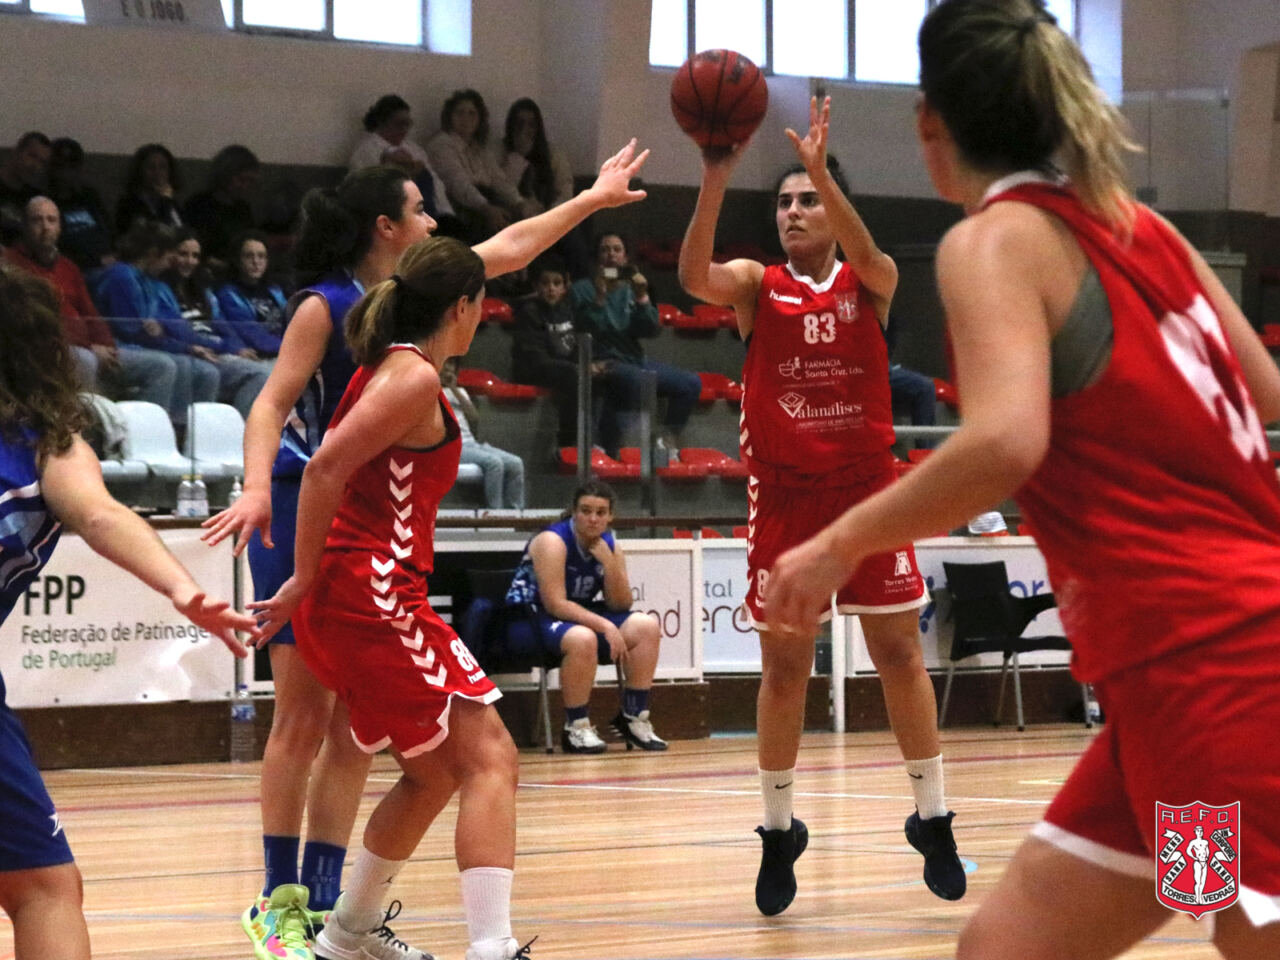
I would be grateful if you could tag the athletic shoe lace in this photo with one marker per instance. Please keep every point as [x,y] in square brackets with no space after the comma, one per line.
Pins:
[293,926]
[523,952]
[583,736]
[389,938]
[641,728]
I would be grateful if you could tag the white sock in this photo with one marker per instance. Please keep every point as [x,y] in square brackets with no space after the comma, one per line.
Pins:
[776,787]
[486,901]
[926,787]
[368,883]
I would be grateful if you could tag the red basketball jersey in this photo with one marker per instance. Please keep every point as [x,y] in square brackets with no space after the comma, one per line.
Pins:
[1157,506]
[389,506]
[816,380]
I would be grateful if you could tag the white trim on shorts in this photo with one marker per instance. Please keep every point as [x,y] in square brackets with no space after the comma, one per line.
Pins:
[852,609]
[443,720]
[1262,909]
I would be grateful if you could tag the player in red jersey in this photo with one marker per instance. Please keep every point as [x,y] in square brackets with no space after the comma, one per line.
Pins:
[366,520]
[817,425]
[1108,380]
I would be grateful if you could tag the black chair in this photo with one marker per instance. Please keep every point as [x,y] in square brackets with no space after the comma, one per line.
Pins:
[484,619]
[990,619]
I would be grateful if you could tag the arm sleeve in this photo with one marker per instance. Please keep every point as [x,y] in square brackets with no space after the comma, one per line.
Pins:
[562,177]
[644,319]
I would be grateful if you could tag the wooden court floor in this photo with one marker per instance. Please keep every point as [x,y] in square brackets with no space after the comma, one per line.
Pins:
[624,856]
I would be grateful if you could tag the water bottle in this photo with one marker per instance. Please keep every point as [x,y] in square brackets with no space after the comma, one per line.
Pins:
[186,495]
[244,738]
[199,497]
[236,491]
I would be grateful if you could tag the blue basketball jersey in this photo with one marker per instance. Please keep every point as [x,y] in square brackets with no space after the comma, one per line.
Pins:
[583,573]
[306,425]
[28,531]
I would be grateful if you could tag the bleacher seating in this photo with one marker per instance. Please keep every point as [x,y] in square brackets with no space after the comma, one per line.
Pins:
[149,437]
[602,465]
[677,471]
[215,439]
[491,385]
[717,463]
[496,310]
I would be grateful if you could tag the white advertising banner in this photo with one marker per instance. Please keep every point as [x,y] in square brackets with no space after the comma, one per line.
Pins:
[1027,577]
[164,14]
[729,642]
[86,632]
[666,581]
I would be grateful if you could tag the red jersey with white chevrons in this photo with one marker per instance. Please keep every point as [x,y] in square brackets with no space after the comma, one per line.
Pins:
[1157,507]
[815,381]
[390,503]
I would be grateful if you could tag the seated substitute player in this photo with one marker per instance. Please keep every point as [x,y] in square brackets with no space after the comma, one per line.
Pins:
[575,576]
[817,427]
[50,479]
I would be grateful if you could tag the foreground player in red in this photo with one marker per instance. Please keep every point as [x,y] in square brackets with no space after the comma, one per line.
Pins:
[1108,380]
[817,427]
[363,550]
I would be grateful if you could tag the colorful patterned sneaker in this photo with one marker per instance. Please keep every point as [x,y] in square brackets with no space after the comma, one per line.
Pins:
[336,942]
[581,737]
[637,731]
[280,925]
[943,871]
[776,881]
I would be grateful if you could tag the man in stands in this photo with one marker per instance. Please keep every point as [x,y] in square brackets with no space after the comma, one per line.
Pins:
[22,176]
[133,371]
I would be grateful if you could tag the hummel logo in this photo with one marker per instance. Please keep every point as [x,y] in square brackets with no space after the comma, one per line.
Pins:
[57,824]
[783,786]
[775,295]
[916,776]
[791,402]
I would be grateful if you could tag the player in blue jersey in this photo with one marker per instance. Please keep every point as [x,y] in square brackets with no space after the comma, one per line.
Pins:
[50,481]
[574,575]
[351,238]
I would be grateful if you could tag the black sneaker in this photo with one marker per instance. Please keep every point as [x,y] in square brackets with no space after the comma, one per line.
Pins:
[637,731]
[943,871]
[776,881]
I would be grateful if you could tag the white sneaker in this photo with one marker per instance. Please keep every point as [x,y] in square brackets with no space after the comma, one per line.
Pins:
[508,949]
[637,731]
[581,737]
[335,942]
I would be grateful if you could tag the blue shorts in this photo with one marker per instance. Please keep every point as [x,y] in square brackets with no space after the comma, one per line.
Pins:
[31,834]
[271,568]
[521,639]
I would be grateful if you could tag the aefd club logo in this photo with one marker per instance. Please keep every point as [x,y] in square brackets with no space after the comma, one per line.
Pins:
[1197,856]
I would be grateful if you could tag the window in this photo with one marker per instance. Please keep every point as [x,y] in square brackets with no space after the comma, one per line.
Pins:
[443,26]
[871,41]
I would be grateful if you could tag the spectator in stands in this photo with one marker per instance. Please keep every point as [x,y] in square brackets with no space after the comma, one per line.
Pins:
[479,191]
[386,140]
[919,393]
[254,307]
[544,348]
[574,575]
[104,368]
[542,175]
[502,470]
[86,229]
[150,189]
[241,369]
[222,211]
[613,305]
[146,313]
[22,176]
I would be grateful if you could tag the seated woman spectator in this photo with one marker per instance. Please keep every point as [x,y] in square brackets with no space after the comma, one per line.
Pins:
[241,369]
[613,306]
[86,229]
[254,307]
[574,575]
[502,470]
[479,191]
[386,140]
[542,175]
[150,189]
[222,211]
[143,311]
[544,346]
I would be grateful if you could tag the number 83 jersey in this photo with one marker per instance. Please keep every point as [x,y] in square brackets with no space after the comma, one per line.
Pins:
[816,380]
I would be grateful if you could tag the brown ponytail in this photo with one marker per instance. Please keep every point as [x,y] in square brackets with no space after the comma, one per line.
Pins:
[1016,93]
[431,276]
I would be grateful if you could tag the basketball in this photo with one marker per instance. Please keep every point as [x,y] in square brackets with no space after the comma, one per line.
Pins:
[719,97]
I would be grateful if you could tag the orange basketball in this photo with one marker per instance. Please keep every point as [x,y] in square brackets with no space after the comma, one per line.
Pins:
[719,97]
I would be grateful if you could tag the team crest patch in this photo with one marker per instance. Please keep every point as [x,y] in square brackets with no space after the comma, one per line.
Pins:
[1197,856]
[846,307]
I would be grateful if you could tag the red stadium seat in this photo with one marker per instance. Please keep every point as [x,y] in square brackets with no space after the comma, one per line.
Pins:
[667,314]
[602,465]
[496,310]
[902,467]
[712,315]
[662,254]
[918,456]
[680,533]
[719,464]
[946,393]
[740,533]
[718,385]
[1271,335]
[711,533]
[495,388]
[673,471]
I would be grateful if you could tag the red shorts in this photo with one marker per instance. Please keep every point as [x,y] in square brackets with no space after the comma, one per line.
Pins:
[376,642]
[781,517]
[1196,726]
